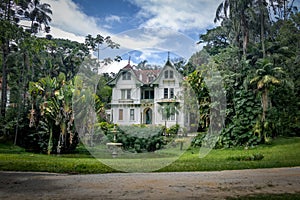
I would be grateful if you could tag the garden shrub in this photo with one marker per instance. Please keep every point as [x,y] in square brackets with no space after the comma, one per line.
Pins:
[173,130]
[197,141]
[136,138]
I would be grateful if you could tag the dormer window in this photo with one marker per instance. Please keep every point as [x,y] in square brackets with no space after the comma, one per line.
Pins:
[150,78]
[126,76]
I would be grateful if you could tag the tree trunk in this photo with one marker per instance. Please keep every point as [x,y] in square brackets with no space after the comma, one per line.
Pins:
[245,32]
[21,103]
[50,143]
[264,98]
[4,78]
[262,28]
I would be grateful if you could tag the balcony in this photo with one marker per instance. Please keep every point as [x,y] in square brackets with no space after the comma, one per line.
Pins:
[173,100]
[125,101]
[147,101]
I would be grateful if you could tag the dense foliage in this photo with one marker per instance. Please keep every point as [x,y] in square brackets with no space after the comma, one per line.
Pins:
[136,138]
[256,49]
[37,78]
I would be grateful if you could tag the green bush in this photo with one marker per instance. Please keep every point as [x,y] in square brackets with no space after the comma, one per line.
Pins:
[173,130]
[136,138]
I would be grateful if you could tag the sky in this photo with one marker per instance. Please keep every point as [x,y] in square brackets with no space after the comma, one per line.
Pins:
[145,29]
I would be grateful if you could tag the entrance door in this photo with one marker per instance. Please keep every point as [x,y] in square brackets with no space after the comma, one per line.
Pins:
[148,116]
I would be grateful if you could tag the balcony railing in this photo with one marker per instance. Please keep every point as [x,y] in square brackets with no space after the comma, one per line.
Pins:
[173,100]
[125,100]
[147,100]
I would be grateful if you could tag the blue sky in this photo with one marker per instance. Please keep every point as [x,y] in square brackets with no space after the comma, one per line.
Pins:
[150,27]
[115,15]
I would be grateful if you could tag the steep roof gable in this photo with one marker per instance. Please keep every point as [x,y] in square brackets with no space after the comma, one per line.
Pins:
[142,75]
[167,65]
[125,69]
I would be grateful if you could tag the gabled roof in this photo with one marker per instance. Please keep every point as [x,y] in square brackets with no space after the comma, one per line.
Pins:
[168,64]
[142,75]
[127,68]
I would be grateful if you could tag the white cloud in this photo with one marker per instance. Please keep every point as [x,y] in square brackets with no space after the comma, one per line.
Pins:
[146,54]
[59,33]
[114,66]
[159,31]
[137,39]
[112,18]
[68,17]
[177,14]
[152,41]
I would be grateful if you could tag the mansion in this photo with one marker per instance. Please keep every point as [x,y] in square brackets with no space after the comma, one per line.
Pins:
[142,96]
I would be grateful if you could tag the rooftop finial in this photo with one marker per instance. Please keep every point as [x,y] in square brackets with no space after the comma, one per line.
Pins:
[168,55]
[129,60]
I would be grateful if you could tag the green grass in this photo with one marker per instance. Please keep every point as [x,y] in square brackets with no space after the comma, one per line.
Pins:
[285,196]
[14,158]
[283,152]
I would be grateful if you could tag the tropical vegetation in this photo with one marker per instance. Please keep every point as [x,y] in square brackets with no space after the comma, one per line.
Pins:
[256,50]
[252,58]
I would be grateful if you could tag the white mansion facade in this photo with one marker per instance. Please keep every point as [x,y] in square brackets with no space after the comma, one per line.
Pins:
[140,96]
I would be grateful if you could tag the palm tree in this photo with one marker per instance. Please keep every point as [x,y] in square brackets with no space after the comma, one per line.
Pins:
[266,77]
[168,110]
[39,14]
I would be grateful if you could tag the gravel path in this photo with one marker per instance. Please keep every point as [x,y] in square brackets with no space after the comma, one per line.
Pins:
[176,185]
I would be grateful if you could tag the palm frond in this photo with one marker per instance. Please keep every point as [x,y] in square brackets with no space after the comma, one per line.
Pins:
[218,13]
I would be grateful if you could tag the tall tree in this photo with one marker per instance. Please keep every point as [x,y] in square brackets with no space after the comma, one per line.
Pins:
[235,15]
[11,13]
[266,77]
[215,39]
[39,15]
[94,43]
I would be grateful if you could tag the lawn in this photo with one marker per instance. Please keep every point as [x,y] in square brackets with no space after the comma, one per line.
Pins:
[283,152]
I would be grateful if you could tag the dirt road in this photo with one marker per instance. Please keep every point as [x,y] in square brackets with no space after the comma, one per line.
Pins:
[178,185]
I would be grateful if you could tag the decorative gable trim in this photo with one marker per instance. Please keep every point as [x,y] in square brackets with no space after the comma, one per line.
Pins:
[127,68]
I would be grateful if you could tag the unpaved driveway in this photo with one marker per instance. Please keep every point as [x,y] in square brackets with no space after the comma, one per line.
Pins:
[178,185]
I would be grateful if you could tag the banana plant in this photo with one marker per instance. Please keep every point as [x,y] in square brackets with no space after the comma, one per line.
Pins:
[51,100]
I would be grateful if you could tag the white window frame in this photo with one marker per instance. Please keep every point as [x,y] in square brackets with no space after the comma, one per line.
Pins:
[125,93]
[166,93]
[126,76]
[131,114]
[121,114]
[171,93]
[171,74]
[166,74]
